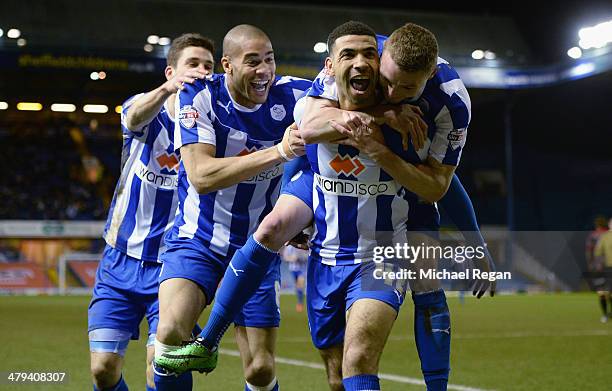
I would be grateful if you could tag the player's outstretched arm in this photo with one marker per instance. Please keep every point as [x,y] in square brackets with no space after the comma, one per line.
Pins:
[429,181]
[145,108]
[208,173]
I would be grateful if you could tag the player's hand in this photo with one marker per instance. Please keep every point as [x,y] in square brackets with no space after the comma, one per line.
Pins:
[367,137]
[292,144]
[408,121]
[481,286]
[178,81]
[299,241]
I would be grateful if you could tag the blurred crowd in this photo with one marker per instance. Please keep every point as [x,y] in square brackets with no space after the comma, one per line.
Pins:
[48,174]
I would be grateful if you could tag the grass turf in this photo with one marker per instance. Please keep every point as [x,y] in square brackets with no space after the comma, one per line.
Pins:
[541,342]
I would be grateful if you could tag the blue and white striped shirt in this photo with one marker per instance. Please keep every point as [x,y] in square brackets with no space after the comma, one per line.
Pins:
[354,200]
[145,199]
[222,220]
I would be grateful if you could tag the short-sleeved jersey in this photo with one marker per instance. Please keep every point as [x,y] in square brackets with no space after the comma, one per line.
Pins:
[446,105]
[222,220]
[145,199]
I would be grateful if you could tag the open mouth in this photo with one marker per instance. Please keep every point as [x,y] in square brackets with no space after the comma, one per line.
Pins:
[259,85]
[360,83]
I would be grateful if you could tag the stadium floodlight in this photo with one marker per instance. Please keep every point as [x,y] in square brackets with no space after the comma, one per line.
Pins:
[320,47]
[1,32]
[101,75]
[595,36]
[118,109]
[3,105]
[63,107]
[574,52]
[163,41]
[13,33]
[477,54]
[489,55]
[148,48]
[29,106]
[94,76]
[97,109]
[582,69]
[153,39]
[21,42]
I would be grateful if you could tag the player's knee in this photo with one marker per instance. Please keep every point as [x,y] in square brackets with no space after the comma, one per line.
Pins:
[260,370]
[171,333]
[106,370]
[358,358]
[268,231]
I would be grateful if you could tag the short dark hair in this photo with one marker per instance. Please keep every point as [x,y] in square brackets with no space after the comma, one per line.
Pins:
[351,27]
[187,40]
[413,48]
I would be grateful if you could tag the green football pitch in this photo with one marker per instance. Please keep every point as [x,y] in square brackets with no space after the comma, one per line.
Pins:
[519,342]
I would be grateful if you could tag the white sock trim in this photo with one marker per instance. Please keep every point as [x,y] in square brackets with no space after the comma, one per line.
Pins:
[161,348]
[269,387]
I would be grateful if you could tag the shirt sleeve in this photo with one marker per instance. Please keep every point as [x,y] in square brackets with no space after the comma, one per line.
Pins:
[125,107]
[453,119]
[324,86]
[195,116]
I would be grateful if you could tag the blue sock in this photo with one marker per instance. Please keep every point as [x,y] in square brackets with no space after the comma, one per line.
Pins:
[432,337]
[120,386]
[165,381]
[147,388]
[361,382]
[300,295]
[242,277]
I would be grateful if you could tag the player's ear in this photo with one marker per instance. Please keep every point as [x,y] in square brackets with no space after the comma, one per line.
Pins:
[169,72]
[328,66]
[226,64]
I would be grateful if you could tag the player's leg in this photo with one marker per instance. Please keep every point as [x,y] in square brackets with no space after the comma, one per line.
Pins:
[106,371]
[150,385]
[432,332]
[603,304]
[325,304]
[299,291]
[188,280]
[180,303]
[113,318]
[372,309]
[249,265]
[256,332]
[152,314]
[332,359]
[369,322]
[257,349]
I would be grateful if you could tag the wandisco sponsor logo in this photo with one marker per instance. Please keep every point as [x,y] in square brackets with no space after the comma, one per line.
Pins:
[169,182]
[355,188]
